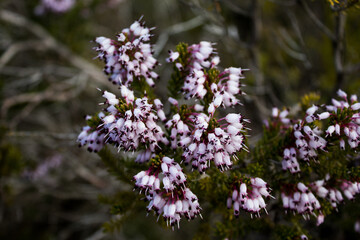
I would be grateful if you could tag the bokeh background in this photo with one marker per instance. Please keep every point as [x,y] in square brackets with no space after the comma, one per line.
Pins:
[51,189]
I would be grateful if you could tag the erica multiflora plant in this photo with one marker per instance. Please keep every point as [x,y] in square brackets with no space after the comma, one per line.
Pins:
[189,154]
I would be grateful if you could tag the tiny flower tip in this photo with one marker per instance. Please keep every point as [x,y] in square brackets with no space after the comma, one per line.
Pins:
[355,106]
[275,112]
[341,93]
[324,115]
[353,98]
[173,101]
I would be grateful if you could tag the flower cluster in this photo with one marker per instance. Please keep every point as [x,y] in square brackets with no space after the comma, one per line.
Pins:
[300,199]
[280,117]
[228,87]
[193,132]
[202,56]
[194,135]
[307,138]
[169,197]
[129,57]
[308,141]
[173,176]
[322,127]
[311,115]
[249,194]
[203,79]
[204,140]
[304,141]
[144,156]
[127,123]
[56,6]
[345,120]
[90,137]
[290,161]
[332,192]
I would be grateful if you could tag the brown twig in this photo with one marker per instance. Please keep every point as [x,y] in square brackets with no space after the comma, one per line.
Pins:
[57,92]
[50,42]
[317,22]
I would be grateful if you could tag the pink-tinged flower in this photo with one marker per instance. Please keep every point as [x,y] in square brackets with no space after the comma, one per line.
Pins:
[303,237]
[357,226]
[129,57]
[167,170]
[172,56]
[201,56]
[350,189]
[199,82]
[342,94]
[280,116]
[299,199]
[181,202]
[335,193]
[320,219]
[289,161]
[345,120]
[311,116]
[206,139]
[165,188]
[304,141]
[307,142]
[127,123]
[226,90]
[43,168]
[56,6]
[90,137]
[144,156]
[249,198]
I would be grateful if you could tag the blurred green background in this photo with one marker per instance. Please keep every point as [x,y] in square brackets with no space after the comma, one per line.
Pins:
[49,188]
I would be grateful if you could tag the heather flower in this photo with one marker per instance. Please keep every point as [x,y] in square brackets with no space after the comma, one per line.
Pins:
[202,55]
[280,117]
[357,226]
[320,219]
[178,130]
[305,144]
[203,80]
[165,188]
[302,200]
[56,6]
[289,161]
[308,141]
[206,139]
[249,194]
[350,189]
[311,116]
[90,137]
[132,123]
[127,123]
[299,199]
[303,237]
[129,57]
[228,87]
[334,191]
[345,120]
[172,176]
[43,168]
[144,156]
[172,206]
